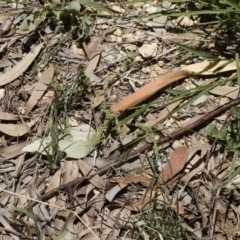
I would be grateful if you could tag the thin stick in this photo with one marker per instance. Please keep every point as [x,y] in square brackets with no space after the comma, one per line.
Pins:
[73,185]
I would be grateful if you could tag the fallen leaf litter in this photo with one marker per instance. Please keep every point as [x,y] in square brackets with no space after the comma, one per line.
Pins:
[106,175]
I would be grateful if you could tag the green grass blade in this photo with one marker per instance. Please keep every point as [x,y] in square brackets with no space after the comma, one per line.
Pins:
[197,52]
[32,216]
[200,12]
[135,114]
[238,67]
[232,167]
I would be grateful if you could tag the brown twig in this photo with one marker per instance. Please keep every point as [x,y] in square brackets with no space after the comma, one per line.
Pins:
[73,185]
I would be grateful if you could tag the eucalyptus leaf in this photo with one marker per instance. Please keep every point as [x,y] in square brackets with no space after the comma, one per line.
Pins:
[40,145]
[80,143]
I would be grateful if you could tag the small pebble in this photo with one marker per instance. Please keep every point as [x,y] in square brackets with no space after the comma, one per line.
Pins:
[113,98]
[175,115]
[148,50]
[185,21]
[153,74]
[130,47]
[146,70]
[119,40]
[157,137]
[104,26]
[224,101]
[112,38]
[151,9]
[118,9]
[118,32]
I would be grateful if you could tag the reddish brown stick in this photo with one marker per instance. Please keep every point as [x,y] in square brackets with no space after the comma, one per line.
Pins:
[148,90]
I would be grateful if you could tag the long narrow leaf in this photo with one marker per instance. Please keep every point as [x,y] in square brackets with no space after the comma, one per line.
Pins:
[32,216]
[197,52]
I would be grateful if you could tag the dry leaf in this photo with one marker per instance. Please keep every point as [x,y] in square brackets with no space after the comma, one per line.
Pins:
[142,204]
[70,172]
[8,116]
[54,183]
[8,32]
[147,91]
[231,92]
[46,99]
[110,195]
[40,88]
[18,166]
[89,71]
[21,67]
[175,165]
[203,68]
[15,130]
[13,150]
[97,181]
[208,67]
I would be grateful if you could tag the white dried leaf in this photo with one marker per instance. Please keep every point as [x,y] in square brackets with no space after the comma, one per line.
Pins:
[80,143]
[40,145]
[77,145]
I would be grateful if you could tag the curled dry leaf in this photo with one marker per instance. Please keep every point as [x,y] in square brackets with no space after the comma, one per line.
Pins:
[15,130]
[9,32]
[97,181]
[110,195]
[21,67]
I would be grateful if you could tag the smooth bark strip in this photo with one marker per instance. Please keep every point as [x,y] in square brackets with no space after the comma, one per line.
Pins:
[148,90]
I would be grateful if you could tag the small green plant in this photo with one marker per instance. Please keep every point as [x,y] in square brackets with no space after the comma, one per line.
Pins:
[77,91]
[59,136]
[229,135]
[65,17]
[161,222]
[81,86]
